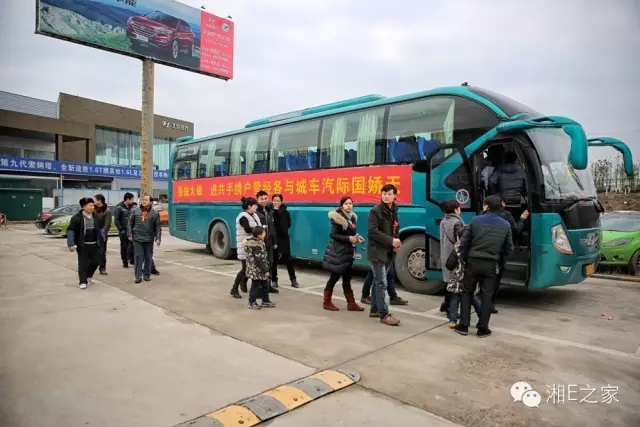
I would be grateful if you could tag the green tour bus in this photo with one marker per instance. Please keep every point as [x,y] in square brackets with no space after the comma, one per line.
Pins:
[434,146]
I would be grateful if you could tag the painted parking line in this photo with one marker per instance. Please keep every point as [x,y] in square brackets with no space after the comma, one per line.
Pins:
[429,315]
[277,401]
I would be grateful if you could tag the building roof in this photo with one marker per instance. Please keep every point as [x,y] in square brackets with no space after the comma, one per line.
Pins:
[28,105]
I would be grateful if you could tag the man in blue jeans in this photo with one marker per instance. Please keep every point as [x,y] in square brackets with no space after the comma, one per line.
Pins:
[383,240]
[394,299]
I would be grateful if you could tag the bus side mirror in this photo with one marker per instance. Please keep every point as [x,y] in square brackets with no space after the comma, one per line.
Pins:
[421,166]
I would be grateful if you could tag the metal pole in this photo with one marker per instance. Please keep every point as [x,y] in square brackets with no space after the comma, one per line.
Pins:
[146,140]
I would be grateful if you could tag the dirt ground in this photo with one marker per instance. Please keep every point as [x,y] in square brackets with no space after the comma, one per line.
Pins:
[620,202]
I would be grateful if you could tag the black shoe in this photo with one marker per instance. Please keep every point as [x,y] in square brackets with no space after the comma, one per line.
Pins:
[125,265]
[273,290]
[147,279]
[483,332]
[234,293]
[494,310]
[155,272]
[462,330]
[295,284]
[138,280]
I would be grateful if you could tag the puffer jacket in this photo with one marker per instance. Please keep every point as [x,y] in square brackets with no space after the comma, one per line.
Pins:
[121,217]
[509,181]
[338,256]
[257,262]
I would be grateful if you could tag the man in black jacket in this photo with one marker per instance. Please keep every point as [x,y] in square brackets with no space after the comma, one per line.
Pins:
[143,228]
[265,213]
[121,218]
[85,237]
[485,245]
[104,214]
[508,181]
[383,239]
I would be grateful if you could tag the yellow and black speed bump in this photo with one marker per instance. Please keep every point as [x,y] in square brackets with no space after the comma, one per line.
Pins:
[277,401]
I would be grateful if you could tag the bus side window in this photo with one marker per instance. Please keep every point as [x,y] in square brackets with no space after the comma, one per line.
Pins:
[256,152]
[417,128]
[214,158]
[295,146]
[353,139]
[186,162]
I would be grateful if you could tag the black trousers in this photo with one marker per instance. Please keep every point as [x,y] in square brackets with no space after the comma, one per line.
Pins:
[103,254]
[126,249]
[241,277]
[346,281]
[287,260]
[496,287]
[88,262]
[484,273]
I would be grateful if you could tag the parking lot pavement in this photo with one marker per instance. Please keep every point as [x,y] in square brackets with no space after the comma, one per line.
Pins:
[556,338]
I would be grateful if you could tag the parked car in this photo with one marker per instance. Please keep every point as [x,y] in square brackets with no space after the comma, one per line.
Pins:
[58,227]
[163,211]
[45,217]
[621,240]
[167,33]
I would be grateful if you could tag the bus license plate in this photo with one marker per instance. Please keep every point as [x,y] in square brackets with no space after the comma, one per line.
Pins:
[589,269]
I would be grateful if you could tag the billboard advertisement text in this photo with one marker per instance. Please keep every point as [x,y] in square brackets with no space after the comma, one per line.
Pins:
[166,31]
[320,186]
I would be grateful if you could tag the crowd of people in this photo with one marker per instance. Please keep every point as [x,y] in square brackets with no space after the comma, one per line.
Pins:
[473,256]
[262,233]
[138,229]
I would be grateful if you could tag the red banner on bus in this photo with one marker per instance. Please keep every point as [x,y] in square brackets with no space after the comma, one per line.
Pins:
[363,184]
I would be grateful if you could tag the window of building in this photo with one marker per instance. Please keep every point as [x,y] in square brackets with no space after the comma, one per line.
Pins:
[39,154]
[214,158]
[186,162]
[295,146]
[122,148]
[353,139]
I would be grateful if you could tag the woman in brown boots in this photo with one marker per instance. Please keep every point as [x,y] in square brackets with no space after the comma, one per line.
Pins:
[339,254]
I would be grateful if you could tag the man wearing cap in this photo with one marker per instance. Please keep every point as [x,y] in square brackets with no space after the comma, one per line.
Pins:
[86,238]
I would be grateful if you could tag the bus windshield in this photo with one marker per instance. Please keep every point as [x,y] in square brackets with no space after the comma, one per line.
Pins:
[561,180]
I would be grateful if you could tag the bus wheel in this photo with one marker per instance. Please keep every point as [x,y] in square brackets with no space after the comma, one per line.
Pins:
[220,241]
[410,262]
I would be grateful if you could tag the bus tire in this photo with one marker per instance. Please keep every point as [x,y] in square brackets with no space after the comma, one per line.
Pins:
[220,241]
[409,266]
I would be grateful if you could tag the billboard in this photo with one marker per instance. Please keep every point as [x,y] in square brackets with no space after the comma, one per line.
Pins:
[166,31]
[58,167]
[363,184]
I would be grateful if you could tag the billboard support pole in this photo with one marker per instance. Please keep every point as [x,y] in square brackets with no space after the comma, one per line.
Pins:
[146,140]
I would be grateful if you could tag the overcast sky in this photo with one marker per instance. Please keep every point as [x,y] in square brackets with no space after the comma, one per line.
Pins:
[577,58]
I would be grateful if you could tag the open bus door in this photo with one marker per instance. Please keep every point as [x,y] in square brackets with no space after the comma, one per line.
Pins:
[443,165]
[605,141]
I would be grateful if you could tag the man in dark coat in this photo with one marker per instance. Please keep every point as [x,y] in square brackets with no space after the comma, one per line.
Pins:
[383,236]
[485,245]
[104,215]
[121,218]
[265,213]
[143,229]
[282,221]
[508,181]
[85,237]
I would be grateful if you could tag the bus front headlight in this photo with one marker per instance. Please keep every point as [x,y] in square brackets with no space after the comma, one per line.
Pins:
[561,240]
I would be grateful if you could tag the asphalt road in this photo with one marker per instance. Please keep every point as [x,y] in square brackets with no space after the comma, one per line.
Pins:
[178,347]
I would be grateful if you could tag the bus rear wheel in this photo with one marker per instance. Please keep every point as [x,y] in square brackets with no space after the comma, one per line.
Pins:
[409,264]
[220,241]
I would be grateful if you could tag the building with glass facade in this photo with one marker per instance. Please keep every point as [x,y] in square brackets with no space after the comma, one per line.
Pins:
[80,143]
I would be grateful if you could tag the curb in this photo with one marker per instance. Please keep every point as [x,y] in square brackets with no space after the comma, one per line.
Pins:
[621,278]
[277,401]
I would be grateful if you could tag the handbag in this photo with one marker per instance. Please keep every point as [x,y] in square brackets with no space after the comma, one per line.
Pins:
[452,259]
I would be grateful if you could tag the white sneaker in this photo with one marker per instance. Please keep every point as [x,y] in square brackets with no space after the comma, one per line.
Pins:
[90,280]
[83,286]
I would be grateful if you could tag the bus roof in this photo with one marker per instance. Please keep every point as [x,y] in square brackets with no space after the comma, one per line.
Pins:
[463,91]
[317,109]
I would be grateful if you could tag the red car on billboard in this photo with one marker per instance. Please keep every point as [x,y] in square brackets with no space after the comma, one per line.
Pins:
[171,35]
